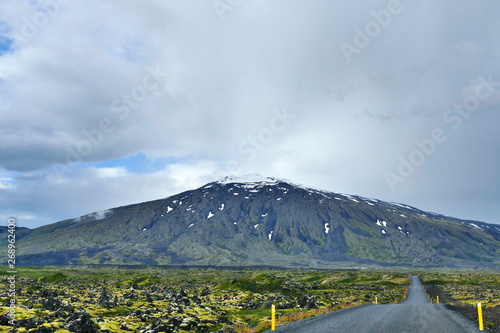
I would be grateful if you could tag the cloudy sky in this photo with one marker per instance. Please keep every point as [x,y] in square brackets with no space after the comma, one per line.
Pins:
[107,103]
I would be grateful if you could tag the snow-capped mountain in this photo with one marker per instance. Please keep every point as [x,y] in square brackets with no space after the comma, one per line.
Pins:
[256,220]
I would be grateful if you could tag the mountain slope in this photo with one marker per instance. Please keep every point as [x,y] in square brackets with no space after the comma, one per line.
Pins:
[263,221]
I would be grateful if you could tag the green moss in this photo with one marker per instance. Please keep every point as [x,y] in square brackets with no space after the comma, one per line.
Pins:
[314,278]
[81,287]
[351,279]
[114,326]
[436,282]
[116,311]
[56,277]
[256,284]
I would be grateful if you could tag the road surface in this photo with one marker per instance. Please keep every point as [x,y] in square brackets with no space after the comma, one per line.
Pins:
[414,314]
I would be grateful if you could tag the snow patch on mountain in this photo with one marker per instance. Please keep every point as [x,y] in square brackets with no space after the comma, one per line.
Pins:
[402,206]
[250,178]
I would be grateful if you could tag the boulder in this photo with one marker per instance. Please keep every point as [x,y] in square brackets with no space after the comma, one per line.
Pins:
[307,302]
[81,322]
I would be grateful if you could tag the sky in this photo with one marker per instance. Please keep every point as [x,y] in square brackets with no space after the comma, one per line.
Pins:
[109,103]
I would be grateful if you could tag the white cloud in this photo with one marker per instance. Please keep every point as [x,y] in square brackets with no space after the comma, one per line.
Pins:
[191,175]
[7,184]
[111,172]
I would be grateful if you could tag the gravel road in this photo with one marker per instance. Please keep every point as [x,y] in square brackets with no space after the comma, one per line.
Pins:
[415,314]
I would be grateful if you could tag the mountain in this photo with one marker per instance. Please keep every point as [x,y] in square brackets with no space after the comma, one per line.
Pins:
[263,221]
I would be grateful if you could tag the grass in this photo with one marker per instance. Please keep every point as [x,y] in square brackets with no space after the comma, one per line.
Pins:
[463,290]
[256,284]
[56,277]
[468,288]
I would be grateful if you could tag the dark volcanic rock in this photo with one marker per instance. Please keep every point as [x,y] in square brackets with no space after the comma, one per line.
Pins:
[106,299]
[4,319]
[52,303]
[81,322]
[29,323]
[157,325]
[44,329]
[307,302]
[251,304]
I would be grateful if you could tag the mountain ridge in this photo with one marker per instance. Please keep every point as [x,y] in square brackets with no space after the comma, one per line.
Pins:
[258,220]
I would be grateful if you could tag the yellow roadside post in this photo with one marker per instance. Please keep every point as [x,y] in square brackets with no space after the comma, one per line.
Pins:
[376,300]
[437,299]
[480,316]
[273,318]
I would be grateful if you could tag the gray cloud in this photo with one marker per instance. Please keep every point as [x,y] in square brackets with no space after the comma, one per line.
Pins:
[97,82]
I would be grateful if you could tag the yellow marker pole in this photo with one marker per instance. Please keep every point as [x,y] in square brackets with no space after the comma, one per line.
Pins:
[376,300]
[480,316]
[273,318]
[437,299]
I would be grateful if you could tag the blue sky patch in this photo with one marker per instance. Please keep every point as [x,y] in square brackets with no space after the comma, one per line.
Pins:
[5,45]
[138,164]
